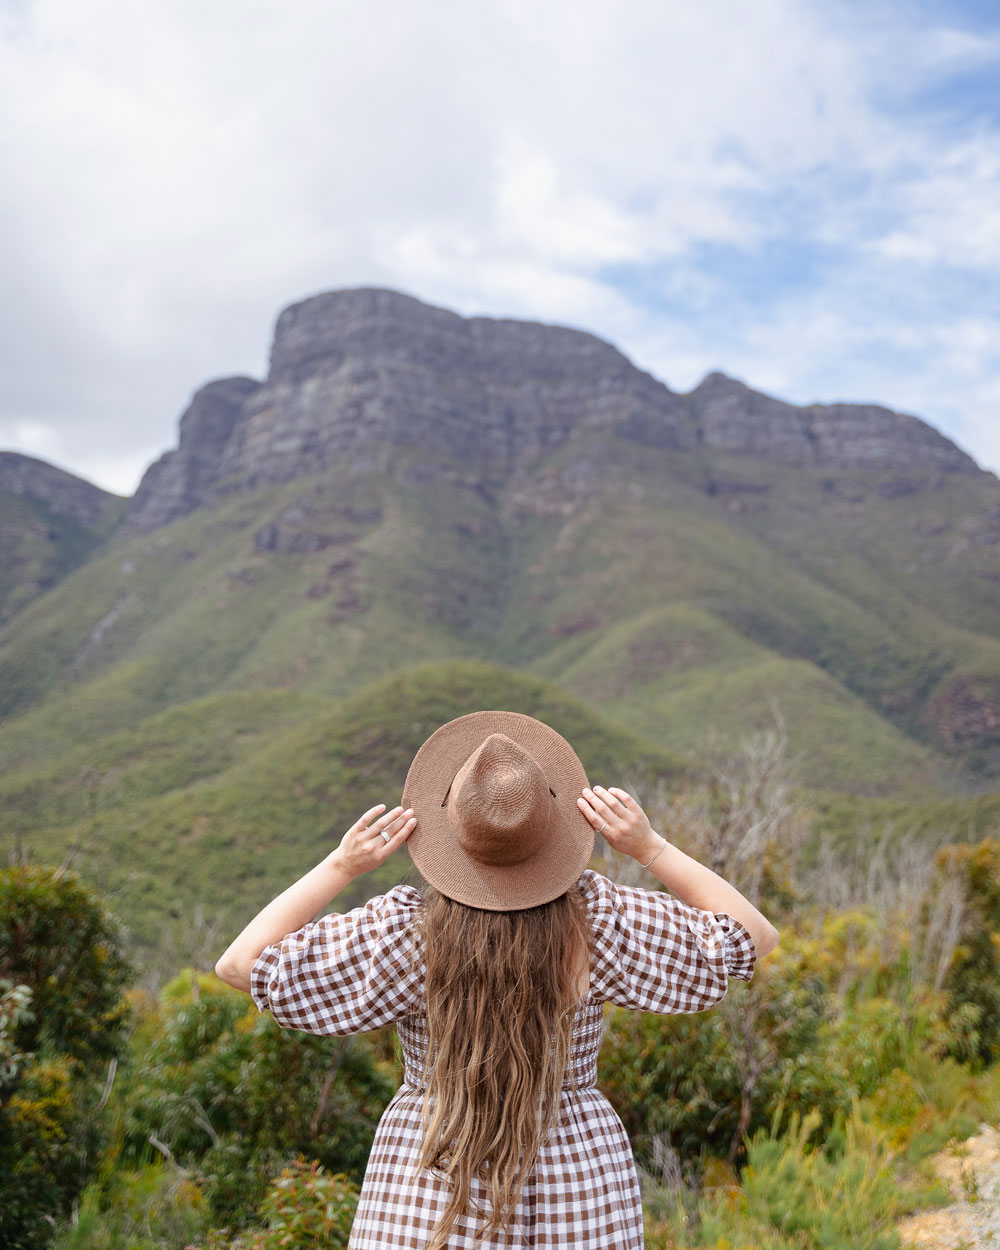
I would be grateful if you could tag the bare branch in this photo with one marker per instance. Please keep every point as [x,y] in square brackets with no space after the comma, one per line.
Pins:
[109,1082]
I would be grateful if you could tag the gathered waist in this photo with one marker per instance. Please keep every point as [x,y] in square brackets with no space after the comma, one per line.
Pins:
[587,1082]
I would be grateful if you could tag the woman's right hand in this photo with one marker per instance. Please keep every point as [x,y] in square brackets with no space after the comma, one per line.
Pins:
[619,819]
[363,847]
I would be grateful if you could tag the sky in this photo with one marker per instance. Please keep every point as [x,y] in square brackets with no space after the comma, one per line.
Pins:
[804,194]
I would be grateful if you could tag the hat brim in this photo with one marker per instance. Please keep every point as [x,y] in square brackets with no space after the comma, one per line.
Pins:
[434,847]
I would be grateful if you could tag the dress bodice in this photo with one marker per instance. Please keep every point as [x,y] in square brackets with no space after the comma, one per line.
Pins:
[581,1072]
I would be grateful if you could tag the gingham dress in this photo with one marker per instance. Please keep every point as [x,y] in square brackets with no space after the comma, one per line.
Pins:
[359,971]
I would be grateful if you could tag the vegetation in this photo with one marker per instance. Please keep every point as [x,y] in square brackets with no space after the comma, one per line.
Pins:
[205,809]
[222,1090]
[62,1028]
[874,617]
[38,547]
[799,1113]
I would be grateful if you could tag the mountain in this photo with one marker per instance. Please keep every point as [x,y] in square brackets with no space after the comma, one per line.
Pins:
[408,484]
[408,489]
[50,522]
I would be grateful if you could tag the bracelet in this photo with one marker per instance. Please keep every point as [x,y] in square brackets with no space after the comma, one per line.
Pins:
[658,853]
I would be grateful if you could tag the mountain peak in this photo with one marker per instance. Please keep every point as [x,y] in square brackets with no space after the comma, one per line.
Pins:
[316,336]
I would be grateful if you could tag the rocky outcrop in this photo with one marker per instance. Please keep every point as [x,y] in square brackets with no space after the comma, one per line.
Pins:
[966,713]
[374,379]
[378,382]
[63,494]
[183,480]
[733,418]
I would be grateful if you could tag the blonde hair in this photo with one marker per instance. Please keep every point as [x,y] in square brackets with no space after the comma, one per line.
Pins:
[500,994]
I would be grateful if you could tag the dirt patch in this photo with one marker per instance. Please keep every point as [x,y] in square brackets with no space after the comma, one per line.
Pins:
[971,1170]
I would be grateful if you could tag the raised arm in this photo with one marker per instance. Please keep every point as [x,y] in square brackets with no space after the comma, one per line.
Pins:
[622,822]
[361,849]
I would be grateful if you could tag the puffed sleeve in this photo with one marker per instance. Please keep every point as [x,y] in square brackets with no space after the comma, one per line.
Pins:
[345,973]
[654,953]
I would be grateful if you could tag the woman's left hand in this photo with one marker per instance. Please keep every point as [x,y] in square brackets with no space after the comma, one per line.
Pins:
[619,819]
[363,847]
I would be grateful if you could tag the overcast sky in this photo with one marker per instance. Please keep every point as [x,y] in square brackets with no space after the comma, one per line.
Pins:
[802,193]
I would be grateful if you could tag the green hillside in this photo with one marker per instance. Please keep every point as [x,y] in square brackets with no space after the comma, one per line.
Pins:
[38,546]
[659,612]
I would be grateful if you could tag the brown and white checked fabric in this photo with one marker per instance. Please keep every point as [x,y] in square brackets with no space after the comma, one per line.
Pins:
[359,971]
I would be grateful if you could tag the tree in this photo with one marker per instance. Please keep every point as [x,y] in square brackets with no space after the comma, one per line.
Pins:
[62,1029]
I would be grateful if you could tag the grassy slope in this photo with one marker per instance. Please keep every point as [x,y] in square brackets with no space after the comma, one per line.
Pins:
[38,548]
[678,673]
[216,803]
[594,577]
[191,610]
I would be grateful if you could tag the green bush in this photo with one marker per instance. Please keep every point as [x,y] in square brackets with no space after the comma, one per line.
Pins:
[973,982]
[825,1021]
[57,939]
[232,1097]
[62,1020]
[792,1197]
[691,1077]
[158,1207]
[306,1208]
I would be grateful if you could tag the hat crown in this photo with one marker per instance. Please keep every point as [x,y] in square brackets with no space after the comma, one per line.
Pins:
[501,803]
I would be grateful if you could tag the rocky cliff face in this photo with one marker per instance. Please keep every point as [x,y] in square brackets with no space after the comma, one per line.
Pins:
[182,480]
[370,379]
[733,418]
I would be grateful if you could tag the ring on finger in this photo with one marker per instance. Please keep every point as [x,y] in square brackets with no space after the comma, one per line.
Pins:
[384,833]
[603,827]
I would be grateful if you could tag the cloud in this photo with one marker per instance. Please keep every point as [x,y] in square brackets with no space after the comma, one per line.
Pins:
[750,187]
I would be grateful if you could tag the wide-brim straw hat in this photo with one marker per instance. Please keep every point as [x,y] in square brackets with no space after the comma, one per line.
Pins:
[498,827]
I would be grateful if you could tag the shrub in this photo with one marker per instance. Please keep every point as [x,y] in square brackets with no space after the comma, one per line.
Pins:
[57,939]
[231,1096]
[306,1208]
[62,1018]
[159,1207]
[973,980]
[794,1197]
[706,1080]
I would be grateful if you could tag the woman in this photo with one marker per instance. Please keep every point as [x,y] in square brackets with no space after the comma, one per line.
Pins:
[496,976]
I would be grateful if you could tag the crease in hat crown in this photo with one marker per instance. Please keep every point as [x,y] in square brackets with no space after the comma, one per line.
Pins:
[501,803]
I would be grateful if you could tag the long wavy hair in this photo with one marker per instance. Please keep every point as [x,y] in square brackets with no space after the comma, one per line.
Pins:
[500,993]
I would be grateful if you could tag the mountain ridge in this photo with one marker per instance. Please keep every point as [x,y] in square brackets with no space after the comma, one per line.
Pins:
[357,378]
